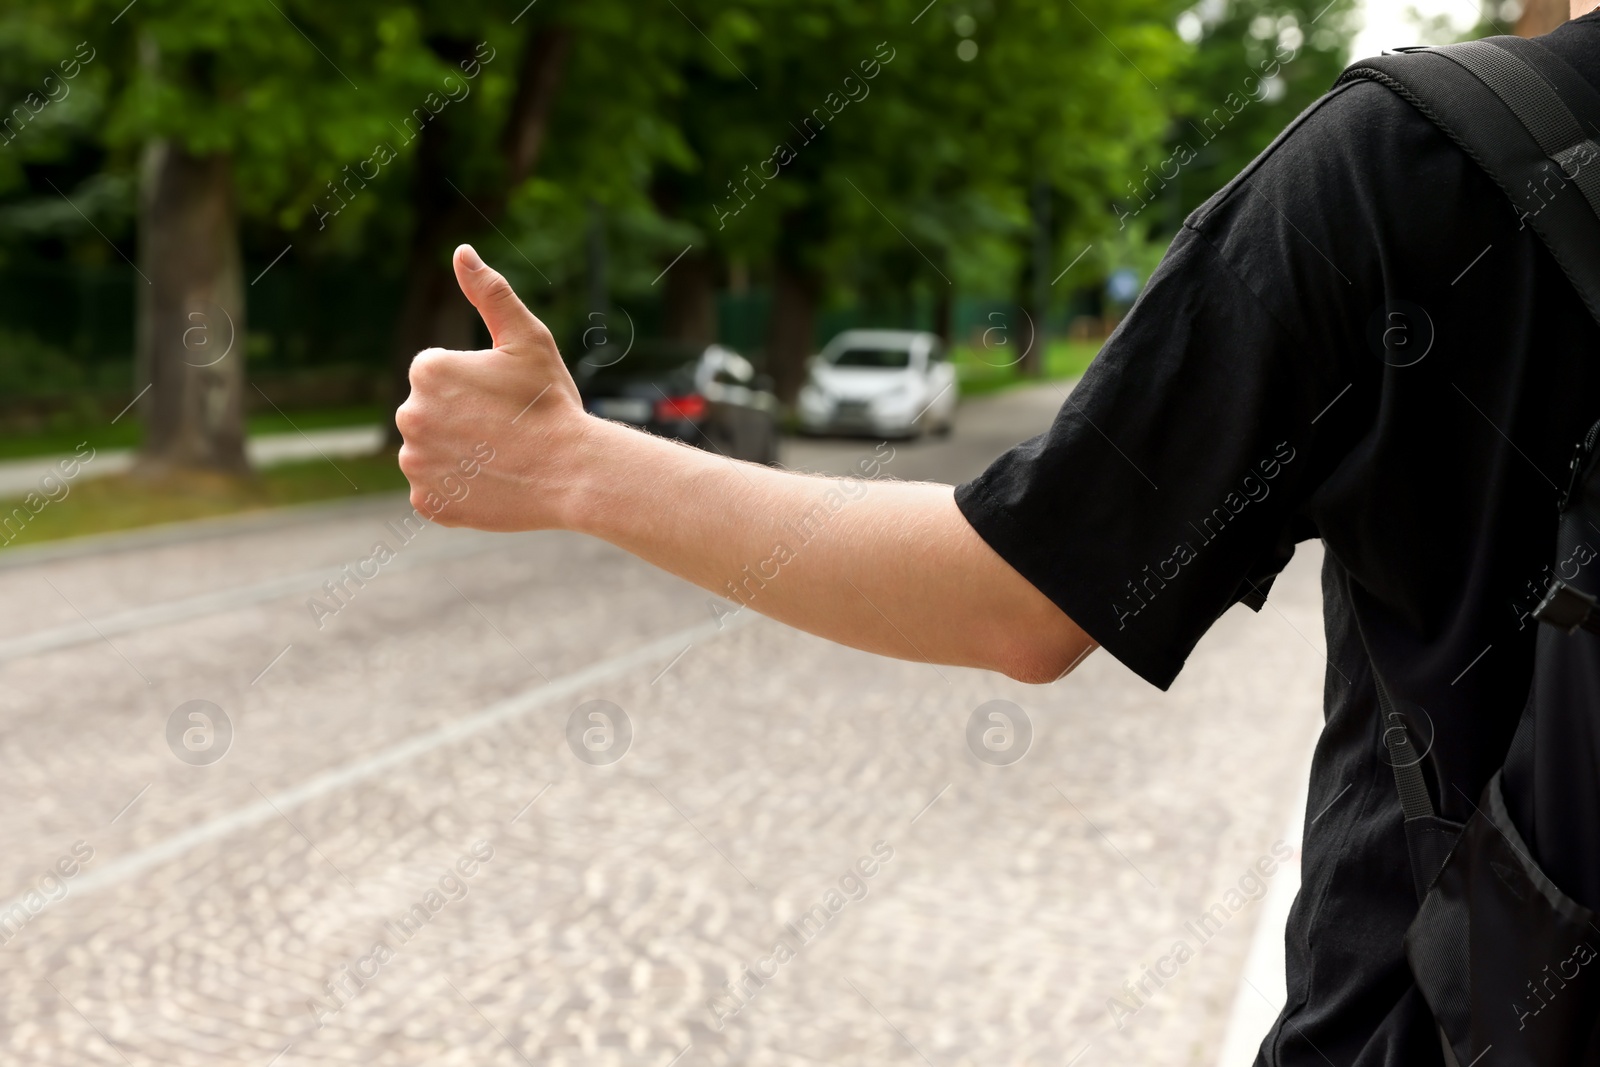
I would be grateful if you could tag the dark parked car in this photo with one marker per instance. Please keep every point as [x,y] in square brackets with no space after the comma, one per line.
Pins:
[706,395]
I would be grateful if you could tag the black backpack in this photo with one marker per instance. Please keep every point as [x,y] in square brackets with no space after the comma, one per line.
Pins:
[1506,943]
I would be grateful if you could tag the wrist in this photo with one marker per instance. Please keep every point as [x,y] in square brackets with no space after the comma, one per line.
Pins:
[599,451]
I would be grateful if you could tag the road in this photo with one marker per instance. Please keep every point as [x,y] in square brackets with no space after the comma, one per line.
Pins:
[399,857]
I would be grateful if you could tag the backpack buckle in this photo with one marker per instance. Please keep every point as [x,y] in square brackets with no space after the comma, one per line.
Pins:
[1566,608]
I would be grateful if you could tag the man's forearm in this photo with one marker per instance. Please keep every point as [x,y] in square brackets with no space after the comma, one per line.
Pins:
[891,567]
[887,566]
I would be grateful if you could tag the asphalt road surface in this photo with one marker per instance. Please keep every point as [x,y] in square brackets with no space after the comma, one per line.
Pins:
[520,799]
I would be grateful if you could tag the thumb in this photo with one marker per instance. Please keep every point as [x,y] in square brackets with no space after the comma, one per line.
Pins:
[511,325]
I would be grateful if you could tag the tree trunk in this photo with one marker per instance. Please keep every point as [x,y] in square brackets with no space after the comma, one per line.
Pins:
[1037,300]
[689,284]
[435,312]
[1541,16]
[792,329]
[691,299]
[538,79]
[191,314]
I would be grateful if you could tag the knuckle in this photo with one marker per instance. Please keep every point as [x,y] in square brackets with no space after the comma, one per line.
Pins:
[426,367]
[413,427]
[410,418]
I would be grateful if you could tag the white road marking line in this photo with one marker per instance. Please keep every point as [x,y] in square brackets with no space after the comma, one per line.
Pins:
[97,632]
[671,665]
[1253,1012]
[270,808]
[121,622]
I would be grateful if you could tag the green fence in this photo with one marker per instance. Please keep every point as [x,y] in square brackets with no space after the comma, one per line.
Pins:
[68,329]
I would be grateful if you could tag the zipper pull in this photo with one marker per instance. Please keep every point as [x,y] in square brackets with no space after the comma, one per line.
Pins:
[1580,453]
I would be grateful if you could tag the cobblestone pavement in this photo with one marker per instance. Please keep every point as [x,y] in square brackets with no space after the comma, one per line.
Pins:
[401,859]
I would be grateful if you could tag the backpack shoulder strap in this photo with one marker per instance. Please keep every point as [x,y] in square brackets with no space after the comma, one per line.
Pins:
[1529,120]
[1533,124]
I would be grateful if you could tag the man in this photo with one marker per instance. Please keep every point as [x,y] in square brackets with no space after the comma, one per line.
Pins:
[1358,340]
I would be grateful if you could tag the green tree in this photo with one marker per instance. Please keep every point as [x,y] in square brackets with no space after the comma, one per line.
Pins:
[1252,65]
[230,112]
[572,95]
[893,148]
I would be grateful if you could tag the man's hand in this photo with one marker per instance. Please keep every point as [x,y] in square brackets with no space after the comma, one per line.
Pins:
[517,397]
[888,566]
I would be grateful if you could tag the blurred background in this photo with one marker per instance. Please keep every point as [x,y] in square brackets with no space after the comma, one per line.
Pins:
[878,239]
[284,182]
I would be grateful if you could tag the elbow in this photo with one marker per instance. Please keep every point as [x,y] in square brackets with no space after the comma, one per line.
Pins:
[1045,658]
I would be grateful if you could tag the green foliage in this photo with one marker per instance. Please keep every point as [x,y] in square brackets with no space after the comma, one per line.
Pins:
[981,372]
[890,150]
[1253,65]
[124,502]
[915,132]
[29,364]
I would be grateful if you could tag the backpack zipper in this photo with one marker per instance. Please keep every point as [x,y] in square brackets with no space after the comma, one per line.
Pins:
[1580,455]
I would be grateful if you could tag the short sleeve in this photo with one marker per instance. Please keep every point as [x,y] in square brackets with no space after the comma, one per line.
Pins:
[1168,487]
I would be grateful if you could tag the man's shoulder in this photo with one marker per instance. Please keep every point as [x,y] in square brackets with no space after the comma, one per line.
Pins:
[1358,191]
[1361,138]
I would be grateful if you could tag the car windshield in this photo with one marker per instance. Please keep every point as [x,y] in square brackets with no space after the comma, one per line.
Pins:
[893,358]
[645,359]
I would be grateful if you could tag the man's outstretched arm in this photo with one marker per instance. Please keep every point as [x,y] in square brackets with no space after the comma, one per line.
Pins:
[889,567]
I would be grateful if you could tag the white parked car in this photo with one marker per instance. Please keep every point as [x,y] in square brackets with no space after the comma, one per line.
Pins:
[886,383]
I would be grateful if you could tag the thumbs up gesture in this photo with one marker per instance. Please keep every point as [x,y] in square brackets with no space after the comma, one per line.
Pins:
[487,433]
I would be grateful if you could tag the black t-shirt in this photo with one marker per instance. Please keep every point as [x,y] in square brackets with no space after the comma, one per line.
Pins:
[1358,341]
